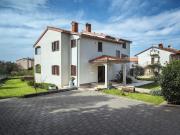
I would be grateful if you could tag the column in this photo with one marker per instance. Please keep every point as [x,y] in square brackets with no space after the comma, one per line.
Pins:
[106,75]
[124,74]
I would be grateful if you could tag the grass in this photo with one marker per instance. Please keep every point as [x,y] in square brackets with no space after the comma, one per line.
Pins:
[16,88]
[151,86]
[156,100]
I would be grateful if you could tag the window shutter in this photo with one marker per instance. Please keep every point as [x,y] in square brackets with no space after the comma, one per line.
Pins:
[57,45]
[73,70]
[52,46]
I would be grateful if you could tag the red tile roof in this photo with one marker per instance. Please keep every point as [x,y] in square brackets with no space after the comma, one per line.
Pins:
[113,59]
[92,35]
[164,48]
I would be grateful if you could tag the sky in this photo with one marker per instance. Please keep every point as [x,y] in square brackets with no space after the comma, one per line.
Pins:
[145,22]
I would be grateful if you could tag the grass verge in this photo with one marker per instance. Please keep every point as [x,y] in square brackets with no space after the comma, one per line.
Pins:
[16,88]
[151,86]
[156,100]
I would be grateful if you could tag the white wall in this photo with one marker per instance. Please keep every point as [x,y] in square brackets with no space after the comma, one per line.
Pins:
[47,58]
[89,50]
[144,58]
[65,59]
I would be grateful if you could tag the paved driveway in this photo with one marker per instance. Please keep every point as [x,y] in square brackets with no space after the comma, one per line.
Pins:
[86,113]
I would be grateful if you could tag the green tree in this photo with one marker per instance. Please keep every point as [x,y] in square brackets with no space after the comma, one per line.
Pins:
[170,82]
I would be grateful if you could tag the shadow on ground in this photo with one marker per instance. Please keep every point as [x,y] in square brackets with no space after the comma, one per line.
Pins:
[86,113]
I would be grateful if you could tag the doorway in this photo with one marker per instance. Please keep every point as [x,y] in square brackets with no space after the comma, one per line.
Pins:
[101,74]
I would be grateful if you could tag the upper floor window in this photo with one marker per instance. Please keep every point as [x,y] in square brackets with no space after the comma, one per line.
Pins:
[73,70]
[55,46]
[118,53]
[73,43]
[100,49]
[124,45]
[38,68]
[38,50]
[55,70]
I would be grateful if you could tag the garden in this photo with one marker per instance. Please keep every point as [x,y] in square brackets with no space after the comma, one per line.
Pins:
[165,88]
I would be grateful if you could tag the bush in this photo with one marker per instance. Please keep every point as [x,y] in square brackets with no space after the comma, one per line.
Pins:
[44,85]
[136,70]
[170,82]
[156,92]
[119,78]
[31,83]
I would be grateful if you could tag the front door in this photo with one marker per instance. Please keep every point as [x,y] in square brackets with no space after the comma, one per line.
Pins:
[101,74]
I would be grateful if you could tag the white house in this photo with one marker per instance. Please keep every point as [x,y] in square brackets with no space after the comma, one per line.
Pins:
[155,55]
[87,56]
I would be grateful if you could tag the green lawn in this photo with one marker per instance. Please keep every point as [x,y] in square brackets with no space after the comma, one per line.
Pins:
[138,96]
[16,88]
[151,86]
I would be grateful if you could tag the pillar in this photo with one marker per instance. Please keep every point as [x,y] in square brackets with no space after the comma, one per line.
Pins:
[124,74]
[106,75]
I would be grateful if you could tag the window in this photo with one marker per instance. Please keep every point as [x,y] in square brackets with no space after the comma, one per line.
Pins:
[124,56]
[73,70]
[73,43]
[38,50]
[100,47]
[124,45]
[55,70]
[55,46]
[38,68]
[118,53]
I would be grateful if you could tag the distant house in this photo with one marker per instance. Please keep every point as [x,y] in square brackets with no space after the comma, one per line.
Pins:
[175,56]
[25,63]
[86,56]
[158,55]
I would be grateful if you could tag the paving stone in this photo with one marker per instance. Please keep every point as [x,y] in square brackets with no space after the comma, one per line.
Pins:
[86,113]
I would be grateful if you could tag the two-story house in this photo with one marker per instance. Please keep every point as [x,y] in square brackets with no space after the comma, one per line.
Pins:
[86,56]
[155,55]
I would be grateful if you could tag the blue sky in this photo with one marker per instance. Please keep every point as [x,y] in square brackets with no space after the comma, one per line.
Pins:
[145,22]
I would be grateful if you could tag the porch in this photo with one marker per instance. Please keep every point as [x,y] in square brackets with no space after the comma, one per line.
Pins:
[103,66]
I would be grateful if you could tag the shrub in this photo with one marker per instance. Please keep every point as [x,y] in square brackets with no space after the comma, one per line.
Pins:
[31,83]
[156,92]
[44,85]
[170,82]
[136,70]
[119,78]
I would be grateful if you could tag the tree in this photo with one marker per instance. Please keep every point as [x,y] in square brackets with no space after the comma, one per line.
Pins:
[170,82]
[6,68]
[136,70]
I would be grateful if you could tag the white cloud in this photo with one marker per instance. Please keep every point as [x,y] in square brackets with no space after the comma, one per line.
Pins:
[23,31]
[23,4]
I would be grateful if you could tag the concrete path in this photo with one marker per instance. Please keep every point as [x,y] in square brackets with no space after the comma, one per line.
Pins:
[86,113]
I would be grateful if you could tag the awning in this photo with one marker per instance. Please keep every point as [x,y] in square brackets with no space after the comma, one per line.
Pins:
[109,59]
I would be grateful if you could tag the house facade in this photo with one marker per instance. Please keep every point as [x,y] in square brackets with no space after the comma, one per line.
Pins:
[87,57]
[25,63]
[155,55]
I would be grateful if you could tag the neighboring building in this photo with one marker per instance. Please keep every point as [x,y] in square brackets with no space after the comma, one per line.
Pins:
[86,56]
[175,56]
[158,55]
[25,63]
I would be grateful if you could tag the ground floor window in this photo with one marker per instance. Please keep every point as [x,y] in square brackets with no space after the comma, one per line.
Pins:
[38,68]
[55,70]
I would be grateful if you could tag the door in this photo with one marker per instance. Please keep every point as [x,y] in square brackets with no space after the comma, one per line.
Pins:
[101,74]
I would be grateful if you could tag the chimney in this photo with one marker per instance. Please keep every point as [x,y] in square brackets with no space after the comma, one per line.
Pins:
[88,27]
[160,45]
[74,26]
